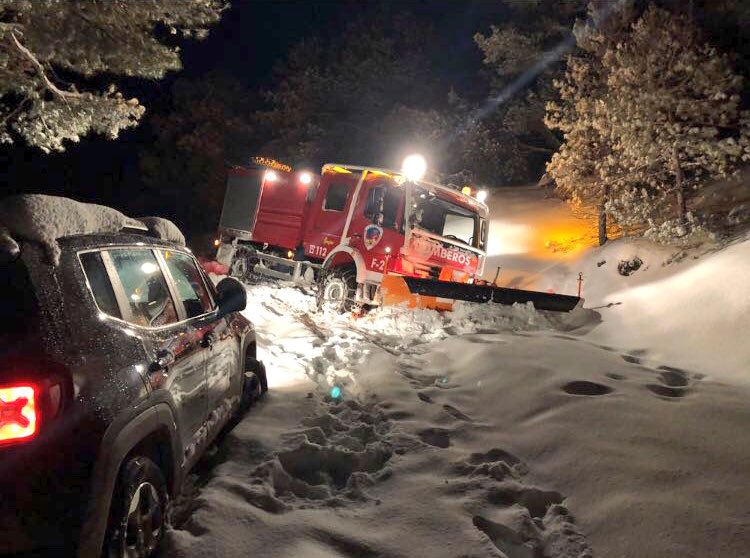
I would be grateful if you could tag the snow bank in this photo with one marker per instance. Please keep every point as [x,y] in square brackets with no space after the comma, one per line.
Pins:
[689,309]
[686,308]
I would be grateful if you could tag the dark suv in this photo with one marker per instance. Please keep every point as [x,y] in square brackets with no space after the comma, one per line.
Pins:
[118,367]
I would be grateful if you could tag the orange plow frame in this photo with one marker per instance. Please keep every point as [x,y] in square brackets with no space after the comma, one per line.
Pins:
[441,295]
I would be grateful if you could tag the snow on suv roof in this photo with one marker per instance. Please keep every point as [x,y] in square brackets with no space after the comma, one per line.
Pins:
[44,219]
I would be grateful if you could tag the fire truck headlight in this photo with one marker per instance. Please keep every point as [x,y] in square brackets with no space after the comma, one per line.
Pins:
[305,178]
[271,176]
[217,242]
[414,167]
[481,196]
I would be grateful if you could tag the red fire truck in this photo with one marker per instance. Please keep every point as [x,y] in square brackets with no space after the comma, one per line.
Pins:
[350,227]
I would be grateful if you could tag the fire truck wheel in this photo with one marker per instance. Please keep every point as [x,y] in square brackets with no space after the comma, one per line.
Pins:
[339,290]
[242,264]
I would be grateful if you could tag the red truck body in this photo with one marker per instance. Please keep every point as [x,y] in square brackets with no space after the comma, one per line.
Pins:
[372,220]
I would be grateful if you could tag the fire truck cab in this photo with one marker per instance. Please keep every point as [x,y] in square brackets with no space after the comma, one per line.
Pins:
[348,227]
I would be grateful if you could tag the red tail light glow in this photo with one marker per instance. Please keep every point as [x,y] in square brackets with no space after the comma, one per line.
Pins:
[18,414]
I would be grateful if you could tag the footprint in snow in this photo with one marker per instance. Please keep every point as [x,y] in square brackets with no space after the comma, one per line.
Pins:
[456,414]
[535,500]
[436,437]
[675,383]
[674,377]
[497,464]
[666,391]
[632,359]
[535,523]
[583,387]
[417,380]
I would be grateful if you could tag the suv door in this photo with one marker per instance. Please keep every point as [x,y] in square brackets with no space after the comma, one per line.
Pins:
[171,343]
[221,346]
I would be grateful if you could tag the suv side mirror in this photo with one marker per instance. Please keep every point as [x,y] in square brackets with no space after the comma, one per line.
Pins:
[232,296]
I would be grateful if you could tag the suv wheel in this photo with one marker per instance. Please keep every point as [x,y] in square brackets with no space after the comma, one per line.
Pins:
[254,384]
[138,512]
[339,290]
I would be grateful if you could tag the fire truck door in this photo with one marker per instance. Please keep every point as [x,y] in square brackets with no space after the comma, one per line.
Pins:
[330,209]
[377,225]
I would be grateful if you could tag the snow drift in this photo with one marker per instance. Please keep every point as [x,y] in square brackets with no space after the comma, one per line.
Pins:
[490,431]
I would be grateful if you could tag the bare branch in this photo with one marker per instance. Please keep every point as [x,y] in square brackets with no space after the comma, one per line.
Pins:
[65,95]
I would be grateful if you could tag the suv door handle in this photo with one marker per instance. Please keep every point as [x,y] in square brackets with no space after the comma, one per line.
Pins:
[207,341]
[164,359]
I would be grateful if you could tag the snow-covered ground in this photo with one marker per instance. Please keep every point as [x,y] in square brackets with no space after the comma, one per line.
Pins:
[619,430]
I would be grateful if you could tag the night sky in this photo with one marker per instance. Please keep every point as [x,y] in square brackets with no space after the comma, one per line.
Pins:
[250,39]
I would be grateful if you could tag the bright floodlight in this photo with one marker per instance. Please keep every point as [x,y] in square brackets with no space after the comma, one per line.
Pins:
[481,196]
[271,176]
[414,167]
[305,178]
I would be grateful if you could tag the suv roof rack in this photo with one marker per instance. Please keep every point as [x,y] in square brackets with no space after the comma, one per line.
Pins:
[135,225]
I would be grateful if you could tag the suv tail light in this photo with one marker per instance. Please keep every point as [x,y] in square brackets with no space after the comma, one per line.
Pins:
[19,416]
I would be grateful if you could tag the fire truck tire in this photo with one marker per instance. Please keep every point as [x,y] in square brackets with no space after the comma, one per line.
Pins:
[338,291]
[242,264]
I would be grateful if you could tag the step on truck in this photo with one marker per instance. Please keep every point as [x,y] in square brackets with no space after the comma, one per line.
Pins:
[365,235]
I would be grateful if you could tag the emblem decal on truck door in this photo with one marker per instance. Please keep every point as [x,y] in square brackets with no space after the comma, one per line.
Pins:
[372,236]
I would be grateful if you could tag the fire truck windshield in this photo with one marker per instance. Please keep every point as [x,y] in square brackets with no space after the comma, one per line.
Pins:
[444,218]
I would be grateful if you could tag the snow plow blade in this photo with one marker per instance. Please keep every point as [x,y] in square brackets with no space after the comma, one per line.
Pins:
[440,295]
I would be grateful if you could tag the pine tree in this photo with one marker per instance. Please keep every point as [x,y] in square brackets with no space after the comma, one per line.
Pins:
[47,44]
[649,113]
[521,69]
[206,129]
[333,96]
[673,112]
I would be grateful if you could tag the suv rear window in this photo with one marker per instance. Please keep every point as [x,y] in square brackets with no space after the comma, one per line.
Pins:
[101,288]
[19,309]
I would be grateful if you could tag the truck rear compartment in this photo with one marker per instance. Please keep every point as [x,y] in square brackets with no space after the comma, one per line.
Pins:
[270,204]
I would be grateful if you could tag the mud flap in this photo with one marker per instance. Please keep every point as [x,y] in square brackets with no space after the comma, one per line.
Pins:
[440,295]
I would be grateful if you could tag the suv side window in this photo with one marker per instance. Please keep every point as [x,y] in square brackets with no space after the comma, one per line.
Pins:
[96,274]
[336,196]
[189,282]
[143,283]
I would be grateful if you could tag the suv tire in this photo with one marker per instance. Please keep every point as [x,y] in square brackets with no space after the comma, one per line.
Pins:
[138,514]
[254,385]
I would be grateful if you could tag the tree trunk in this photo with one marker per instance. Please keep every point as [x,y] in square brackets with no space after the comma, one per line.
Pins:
[602,225]
[679,187]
